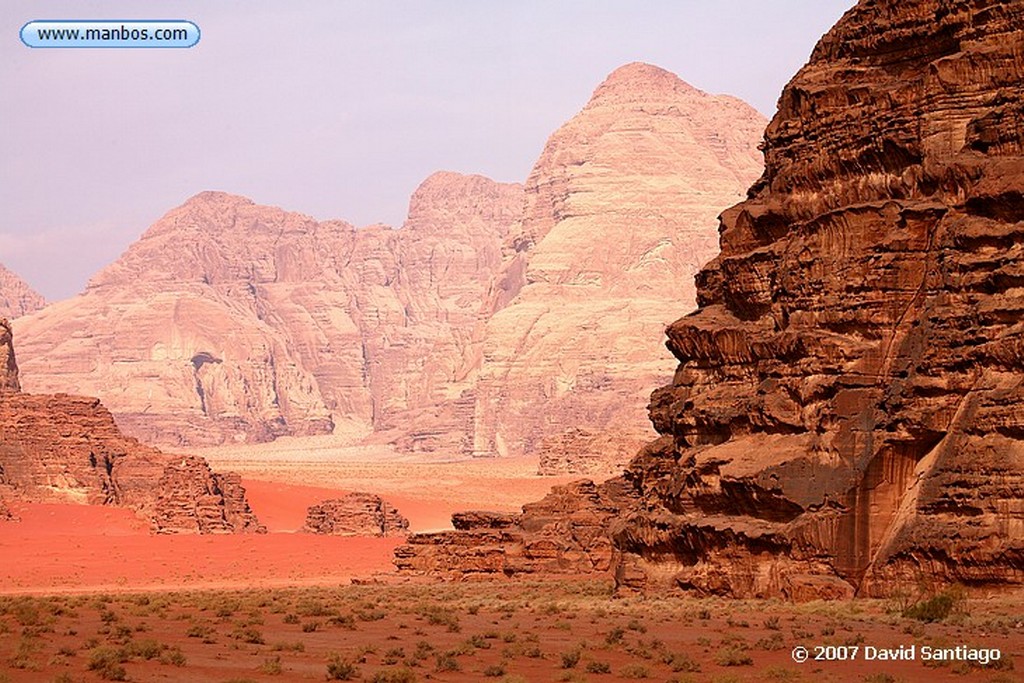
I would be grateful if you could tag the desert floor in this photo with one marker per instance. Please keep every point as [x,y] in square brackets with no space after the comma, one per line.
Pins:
[87,593]
[59,548]
[501,631]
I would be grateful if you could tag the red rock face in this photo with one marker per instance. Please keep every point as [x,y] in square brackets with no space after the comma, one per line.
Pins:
[356,514]
[844,418]
[16,297]
[60,448]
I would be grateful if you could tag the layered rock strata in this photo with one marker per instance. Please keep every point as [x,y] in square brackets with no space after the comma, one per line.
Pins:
[618,218]
[565,533]
[356,514]
[229,321]
[844,418]
[61,448]
[16,297]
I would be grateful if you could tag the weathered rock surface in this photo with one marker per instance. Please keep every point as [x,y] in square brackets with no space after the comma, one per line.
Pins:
[61,448]
[6,514]
[844,409]
[229,321]
[845,415]
[566,533]
[618,219]
[356,514]
[8,363]
[16,297]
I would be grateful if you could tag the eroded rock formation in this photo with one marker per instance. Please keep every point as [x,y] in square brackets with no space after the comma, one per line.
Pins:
[16,297]
[565,533]
[356,514]
[61,448]
[845,415]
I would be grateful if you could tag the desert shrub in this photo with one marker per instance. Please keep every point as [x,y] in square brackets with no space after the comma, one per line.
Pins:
[570,659]
[733,656]
[395,676]
[771,644]
[634,671]
[146,649]
[615,636]
[935,608]
[290,618]
[778,673]
[446,662]
[596,667]
[173,656]
[341,669]
[297,646]
[271,666]
[393,656]
[494,670]
[346,621]
[479,642]
[310,626]
[635,625]
[680,662]
[248,634]
[106,662]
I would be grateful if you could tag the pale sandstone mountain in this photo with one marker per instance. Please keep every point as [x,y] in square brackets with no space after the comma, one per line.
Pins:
[229,321]
[619,216]
[16,297]
[495,321]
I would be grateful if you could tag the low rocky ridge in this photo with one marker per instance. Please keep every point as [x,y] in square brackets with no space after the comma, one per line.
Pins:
[229,321]
[565,533]
[61,448]
[16,297]
[845,415]
[356,514]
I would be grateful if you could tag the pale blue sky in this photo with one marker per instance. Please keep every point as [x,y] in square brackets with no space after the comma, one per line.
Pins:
[335,109]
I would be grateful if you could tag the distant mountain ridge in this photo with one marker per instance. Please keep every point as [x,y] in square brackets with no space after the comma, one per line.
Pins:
[500,319]
[17,298]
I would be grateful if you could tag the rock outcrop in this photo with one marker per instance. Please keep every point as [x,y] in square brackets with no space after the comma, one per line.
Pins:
[8,363]
[845,415]
[356,514]
[228,321]
[565,533]
[618,219]
[61,448]
[16,297]
[6,514]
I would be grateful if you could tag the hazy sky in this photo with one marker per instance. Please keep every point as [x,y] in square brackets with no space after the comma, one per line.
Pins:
[337,109]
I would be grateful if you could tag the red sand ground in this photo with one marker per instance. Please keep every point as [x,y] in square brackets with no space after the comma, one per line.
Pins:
[81,548]
[61,548]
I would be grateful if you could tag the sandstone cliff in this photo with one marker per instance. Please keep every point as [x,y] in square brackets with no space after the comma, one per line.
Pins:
[60,448]
[845,414]
[16,297]
[229,321]
[618,218]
